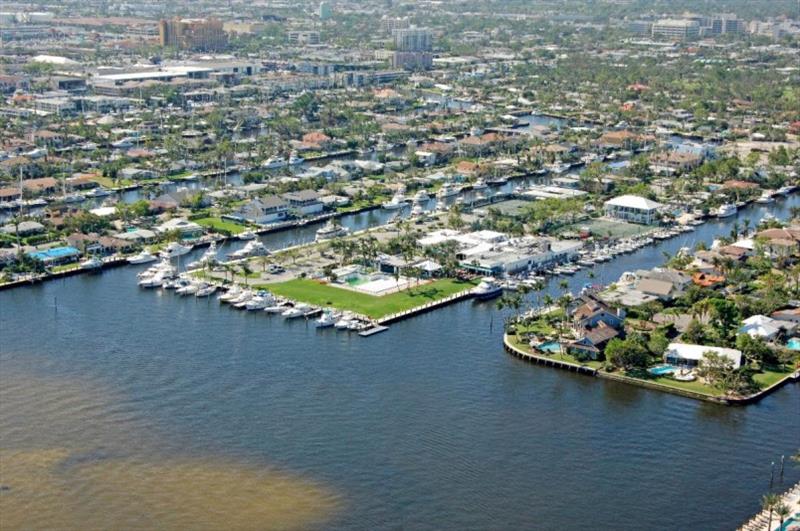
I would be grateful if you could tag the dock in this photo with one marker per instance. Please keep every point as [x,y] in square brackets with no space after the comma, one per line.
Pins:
[374,330]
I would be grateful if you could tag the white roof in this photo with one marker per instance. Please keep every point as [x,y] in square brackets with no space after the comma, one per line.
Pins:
[760,326]
[634,201]
[697,352]
[53,60]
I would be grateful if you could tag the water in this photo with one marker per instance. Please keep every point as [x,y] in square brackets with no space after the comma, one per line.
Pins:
[110,393]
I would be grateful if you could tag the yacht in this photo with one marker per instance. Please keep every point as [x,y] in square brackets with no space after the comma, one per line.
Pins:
[274,163]
[206,291]
[71,198]
[190,288]
[591,157]
[447,190]
[208,256]
[98,192]
[92,264]
[252,248]
[231,294]
[785,190]
[242,299]
[479,185]
[330,231]
[152,281]
[558,166]
[298,310]
[487,289]
[260,301]
[498,181]
[421,197]
[294,160]
[417,210]
[726,210]
[175,249]
[397,201]
[277,307]
[326,320]
[766,198]
[247,235]
[144,257]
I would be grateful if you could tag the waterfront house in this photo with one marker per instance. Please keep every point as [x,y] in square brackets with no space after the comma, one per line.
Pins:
[787,315]
[592,341]
[781,243]
[693,355]
[266,209]
[633,208]
[24,228]
[96,244]
[305,202]
[185,228]
[764,327]
[591,312]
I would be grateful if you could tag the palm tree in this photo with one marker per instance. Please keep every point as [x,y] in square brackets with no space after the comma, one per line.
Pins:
[245,268]
[768,503]
[782,510]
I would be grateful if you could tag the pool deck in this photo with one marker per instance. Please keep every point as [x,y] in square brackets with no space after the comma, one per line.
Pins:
[589,371]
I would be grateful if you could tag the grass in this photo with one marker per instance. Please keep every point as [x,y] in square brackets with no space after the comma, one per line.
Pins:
[770,377]
[65,267]
[219,224]
[569,358]
[318,294]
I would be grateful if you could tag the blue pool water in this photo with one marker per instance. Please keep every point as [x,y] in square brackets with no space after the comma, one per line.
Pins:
[550,346]
[793,343]
[661,370]
[791,523]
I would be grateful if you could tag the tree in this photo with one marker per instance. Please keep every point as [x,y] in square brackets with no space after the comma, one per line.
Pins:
[782,510]
[246,271]
[754,349]
[626,354]
[657,343]
[768,503]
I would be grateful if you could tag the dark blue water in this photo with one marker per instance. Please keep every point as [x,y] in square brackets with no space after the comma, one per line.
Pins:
[429,425]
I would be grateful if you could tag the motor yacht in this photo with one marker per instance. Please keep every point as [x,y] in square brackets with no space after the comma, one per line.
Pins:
[487,289]
[175,249]
[417,211]
[480,184]
[230,294]
[252,248]
[206,291]
[421,197]
[766,198]
[294,160]
[242,299]
[92,264]
[261,300]
[330,231]
[144,257]
[247,235]
[726,210]
[397,201]
[298,310]
[558,166]
[326,320]
[447,190]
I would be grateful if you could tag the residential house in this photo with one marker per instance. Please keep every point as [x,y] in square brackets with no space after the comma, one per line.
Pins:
[267,209]
[633,208]
[185,227]
[594,340]
[305,202]
[694,355]
[591,312]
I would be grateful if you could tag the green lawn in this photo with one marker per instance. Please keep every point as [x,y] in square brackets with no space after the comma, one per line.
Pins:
[769,377]
[220,224]
[318,294]
[569,358]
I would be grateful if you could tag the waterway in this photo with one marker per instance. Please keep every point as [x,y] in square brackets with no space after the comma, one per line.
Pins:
[122,407]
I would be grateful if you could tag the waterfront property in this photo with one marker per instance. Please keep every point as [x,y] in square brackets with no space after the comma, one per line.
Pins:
[633,208]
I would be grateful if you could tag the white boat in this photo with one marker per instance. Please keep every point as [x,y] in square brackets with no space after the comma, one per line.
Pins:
[260,301]
[421,197]
[298,310]
[242,299]
[253,248]
[98,192]
[92,264]
[766,198]
[558,166]
[275,308]
[209,256]
[175,249]
[294,160]
[479,185]
[417,211]
[447,190]
[331,230]
[144,257]
[247,235]
[397,201]
[591,157]
[785,190]
[326,320]
[190,288]
[206,291]
[726,210]
[231,294]
[273,163]
[487,289]
[152,281]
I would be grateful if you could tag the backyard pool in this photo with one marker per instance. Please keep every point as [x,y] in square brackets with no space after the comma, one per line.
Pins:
[793,343]
[662,370]
[550,346]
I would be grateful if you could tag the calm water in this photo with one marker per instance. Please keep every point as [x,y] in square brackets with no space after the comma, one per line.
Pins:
[197,408]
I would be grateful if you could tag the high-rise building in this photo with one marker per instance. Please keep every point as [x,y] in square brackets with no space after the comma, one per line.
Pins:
[205,35]
[413,40]
[389,24]
[412,60]
[325,11]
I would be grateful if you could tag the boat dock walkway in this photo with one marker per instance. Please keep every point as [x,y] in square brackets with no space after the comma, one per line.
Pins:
[393,318]
[762,522]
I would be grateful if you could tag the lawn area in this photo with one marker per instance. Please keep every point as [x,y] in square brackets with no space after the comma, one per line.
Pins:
[769,377]
[695,386]
[65,267]
[220,224]
[318,294]
[569,358]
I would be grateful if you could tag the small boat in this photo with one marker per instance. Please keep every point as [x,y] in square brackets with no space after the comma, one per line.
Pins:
[97,192]
[92,264]
[247,235]
[558,166]
[726,210]
[447,190]
[230,294]
[294,160]
[275,308]
[487,289]
[273,163]
[498,181]
[298,310]
[785,190]
[480,184]
[175,249]
[766,198]
[190,289]
[417,211]
[260,301]
[330,231]
[152,281]
[144,257]
[242,299]
[206,291]
[591,157]
[209,256]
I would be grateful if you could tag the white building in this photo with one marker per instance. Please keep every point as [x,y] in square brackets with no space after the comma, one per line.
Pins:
[633,208]
[761,326]
[693,355]
[676,29]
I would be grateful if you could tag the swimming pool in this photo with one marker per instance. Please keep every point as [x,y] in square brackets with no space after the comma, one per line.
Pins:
[550,346]
[662,370]
[791,524]
[793,343]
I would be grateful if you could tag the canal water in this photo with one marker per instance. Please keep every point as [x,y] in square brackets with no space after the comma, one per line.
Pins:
[124,408]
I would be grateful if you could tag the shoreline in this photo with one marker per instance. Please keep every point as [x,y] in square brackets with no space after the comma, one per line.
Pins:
[530,357]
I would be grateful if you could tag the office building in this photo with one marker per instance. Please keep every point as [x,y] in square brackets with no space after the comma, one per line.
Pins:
[205,35]
[413,40]
[676,29]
